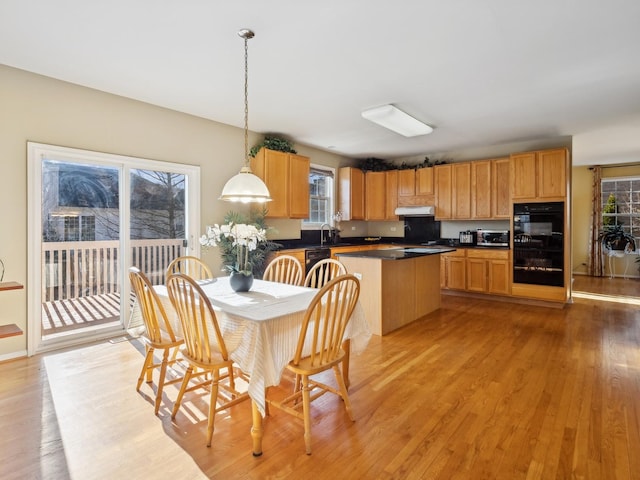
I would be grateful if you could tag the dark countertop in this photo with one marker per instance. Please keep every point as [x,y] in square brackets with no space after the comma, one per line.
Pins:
[360,241]
[398,253]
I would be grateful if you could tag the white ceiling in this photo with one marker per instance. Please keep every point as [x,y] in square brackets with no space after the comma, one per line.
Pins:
[482,72]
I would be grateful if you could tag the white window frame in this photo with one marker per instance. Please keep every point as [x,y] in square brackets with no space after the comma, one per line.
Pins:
[307,225]
[629,228]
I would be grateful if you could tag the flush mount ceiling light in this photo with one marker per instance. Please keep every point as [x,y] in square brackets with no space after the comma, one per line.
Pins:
[396,120]
[245,187]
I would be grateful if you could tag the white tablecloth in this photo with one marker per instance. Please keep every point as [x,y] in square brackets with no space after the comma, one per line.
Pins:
[260,327]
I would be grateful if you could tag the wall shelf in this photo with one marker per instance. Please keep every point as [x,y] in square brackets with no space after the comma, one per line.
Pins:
[10,286]
[11,329]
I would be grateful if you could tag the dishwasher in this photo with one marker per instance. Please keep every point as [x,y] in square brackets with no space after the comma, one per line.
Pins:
[313,256]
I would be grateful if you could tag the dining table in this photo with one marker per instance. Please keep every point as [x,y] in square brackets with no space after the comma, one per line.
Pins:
[260,329]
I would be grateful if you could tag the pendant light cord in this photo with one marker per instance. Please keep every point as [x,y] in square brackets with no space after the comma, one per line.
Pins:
[246,99]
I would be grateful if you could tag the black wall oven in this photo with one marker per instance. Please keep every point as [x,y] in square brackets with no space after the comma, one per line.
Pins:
[538,243]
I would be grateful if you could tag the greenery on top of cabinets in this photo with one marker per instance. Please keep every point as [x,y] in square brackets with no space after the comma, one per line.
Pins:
[273,143]
[426,163]
[372,164]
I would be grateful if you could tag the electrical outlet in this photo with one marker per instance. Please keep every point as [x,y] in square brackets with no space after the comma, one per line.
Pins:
[353,228]
[393,229]
[358,275]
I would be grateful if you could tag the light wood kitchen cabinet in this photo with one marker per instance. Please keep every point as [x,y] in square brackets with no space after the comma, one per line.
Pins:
[351,193]
[540,175]
[453,191]
[391,194]
[424,181]
[406,183]
[416,187]
[375,196]
[443,183]
[297,253]
[488,271]
[287,178]
[299,168]
[500,188]
[461,190]
[481,189]
[490,196]
[453,270]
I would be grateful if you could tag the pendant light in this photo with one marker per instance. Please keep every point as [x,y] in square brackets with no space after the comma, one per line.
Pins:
[245,187]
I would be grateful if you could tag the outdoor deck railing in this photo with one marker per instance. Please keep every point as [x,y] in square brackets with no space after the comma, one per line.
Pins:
[79,269]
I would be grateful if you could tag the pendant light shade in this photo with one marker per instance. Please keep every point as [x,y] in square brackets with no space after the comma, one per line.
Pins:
[245,187]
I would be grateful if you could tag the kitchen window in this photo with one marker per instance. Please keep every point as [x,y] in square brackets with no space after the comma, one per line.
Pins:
[620,202]
[321,197]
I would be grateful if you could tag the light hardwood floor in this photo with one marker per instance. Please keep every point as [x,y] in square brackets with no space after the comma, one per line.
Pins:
[477,390]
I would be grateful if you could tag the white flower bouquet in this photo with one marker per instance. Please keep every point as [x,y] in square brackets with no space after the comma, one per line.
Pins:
[238,239]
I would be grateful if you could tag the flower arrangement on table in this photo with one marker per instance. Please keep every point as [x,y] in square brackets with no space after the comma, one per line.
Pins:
[240,237]
[243,243]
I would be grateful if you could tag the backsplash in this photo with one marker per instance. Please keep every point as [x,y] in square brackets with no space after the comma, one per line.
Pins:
[451,229]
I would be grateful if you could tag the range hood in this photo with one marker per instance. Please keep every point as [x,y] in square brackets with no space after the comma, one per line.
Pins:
[418,211]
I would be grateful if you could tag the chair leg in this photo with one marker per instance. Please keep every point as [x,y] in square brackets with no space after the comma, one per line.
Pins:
[163,372]
[306,410]
[212,406]
[343,390]
[149,365]
[148,360]
[183,387]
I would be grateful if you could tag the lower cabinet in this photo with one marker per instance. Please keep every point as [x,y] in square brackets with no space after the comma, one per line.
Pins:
[476,270]
[453,270]
[488,271]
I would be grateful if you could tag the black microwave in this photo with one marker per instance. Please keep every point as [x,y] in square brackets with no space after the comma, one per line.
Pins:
[492,238]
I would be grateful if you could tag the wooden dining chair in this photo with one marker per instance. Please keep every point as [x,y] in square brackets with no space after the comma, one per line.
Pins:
[319,348]
[204,349]
[323,271]
[158,333]
[284,269]
[192,266]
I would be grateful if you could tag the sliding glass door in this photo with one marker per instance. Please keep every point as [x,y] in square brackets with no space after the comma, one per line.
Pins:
[92,216]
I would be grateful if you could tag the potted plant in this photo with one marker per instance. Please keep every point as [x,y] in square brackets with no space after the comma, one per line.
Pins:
[614,239]
[273,143]
[244,247]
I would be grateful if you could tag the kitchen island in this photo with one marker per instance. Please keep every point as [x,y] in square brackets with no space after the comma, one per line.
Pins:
[397,285]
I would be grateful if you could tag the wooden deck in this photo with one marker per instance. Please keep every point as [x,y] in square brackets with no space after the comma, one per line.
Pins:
[64,315]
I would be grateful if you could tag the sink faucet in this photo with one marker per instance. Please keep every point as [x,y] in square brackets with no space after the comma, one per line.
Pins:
[322,232]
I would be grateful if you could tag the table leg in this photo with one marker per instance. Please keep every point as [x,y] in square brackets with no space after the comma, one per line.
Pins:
[256,429]
[346,346]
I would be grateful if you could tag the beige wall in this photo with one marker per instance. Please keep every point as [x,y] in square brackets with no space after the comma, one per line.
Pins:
[40,109]
[580,218]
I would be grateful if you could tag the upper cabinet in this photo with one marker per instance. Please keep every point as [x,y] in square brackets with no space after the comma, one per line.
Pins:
[391,180]
[481,189]
[416,187]
[351,193]
[443,184]
[500,188]
[461,192]
[375,196]
[453,191]
[287,178]
[472,190]
[539,175]
[490,195]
